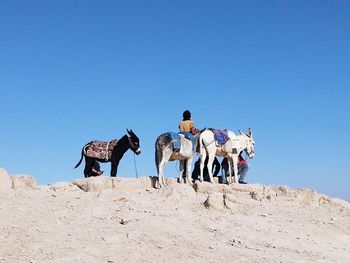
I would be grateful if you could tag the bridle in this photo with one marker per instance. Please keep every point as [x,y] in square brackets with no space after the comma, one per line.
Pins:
[132,145]
[249,141]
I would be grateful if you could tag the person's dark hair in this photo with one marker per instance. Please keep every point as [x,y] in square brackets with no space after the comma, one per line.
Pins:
[186,115]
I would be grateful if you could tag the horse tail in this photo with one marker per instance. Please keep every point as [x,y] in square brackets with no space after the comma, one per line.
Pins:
[82,154]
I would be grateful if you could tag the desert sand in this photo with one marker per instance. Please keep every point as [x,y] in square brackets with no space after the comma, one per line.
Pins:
[129,220]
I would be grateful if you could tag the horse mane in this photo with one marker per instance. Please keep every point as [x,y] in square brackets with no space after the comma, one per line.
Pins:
[202,130]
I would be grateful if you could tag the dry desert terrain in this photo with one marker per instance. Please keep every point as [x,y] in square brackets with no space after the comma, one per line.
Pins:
[129,220]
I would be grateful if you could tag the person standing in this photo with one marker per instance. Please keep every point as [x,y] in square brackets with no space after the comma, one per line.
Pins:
[96,169]
[242,167]
[187,126]
[215,169]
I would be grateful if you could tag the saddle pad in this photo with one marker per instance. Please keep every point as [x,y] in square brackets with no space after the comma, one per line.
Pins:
[175,140]
[100,150]
[188,136]
[220,136]
[186,148]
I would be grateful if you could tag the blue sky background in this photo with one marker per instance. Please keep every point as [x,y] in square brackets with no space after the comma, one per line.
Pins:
[74,71]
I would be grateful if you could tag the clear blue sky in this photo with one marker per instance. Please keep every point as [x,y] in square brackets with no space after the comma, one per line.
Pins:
[74,71]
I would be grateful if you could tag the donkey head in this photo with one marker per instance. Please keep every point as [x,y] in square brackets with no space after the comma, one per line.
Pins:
[134,142]
[250,143]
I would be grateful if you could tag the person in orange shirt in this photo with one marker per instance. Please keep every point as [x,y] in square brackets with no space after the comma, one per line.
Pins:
[187,125]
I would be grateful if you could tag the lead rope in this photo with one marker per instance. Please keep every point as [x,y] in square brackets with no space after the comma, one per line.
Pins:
[136,173]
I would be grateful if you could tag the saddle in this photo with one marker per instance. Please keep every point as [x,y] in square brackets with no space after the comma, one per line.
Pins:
[100,150]
[220,136]
[224,142]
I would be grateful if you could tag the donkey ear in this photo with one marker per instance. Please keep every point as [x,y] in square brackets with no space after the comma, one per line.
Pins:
[250,132]
[240,132]
[128,131]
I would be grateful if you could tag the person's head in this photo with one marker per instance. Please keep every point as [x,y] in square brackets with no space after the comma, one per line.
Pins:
[186,115]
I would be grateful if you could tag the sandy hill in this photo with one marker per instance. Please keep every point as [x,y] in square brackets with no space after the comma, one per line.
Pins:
[128,220]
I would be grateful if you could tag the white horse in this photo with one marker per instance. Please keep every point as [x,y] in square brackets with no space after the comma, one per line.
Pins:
[164,153]
[230,150]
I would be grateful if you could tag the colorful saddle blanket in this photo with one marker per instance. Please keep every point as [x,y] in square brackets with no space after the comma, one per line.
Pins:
[100,150]
[220,136]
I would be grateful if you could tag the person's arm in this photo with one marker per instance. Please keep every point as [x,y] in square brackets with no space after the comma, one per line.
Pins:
[193,130]
[241,160]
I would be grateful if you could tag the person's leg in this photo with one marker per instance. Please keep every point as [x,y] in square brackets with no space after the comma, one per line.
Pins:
[185,170]
[196,170]
[206,174]
[96,169]
[242,172]
[224,174]
[216,167]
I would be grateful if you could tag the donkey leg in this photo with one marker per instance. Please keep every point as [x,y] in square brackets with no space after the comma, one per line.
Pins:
[235,169]
[160,171]
[188,171]
[158,179]
[182,168]
[87,172]
[161,178]
[114,168]
[165,159]
[184,171]
[88,166]
[229,171]
[209,166]
[201,166]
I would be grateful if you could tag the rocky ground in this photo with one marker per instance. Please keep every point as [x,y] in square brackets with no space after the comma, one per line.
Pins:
[129,220]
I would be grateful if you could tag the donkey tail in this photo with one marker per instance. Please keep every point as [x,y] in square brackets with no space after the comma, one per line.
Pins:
[201,145]
[82,154]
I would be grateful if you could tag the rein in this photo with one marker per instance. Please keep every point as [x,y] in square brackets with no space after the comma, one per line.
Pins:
[136,173]
[135,166]
[208,143]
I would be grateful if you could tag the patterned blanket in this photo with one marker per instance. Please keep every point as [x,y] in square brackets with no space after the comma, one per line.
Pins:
[220,136]
[100,150]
